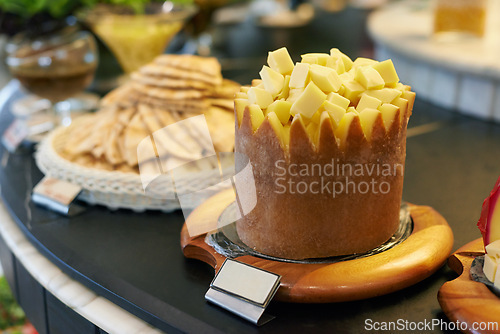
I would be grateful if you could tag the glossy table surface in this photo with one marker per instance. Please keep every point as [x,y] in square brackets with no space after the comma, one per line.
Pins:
[135,260]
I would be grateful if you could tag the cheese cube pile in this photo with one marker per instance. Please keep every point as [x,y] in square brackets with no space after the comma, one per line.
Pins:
[324,87]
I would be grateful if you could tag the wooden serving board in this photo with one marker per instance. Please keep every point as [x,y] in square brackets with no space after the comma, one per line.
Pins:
[465,300]
[416,258]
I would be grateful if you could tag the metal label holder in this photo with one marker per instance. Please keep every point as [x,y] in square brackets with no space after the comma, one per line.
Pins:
[244,290]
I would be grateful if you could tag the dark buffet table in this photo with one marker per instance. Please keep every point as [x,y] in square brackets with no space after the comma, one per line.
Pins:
[135,259]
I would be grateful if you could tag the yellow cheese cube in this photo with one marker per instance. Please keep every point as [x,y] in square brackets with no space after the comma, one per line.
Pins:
[345,59]
[493,249]
[352,110]
[241,95]
[367,101]
[300,75]
[325,78]
[315,58]
[280,61]
[324,117]
[386,95]
[388,114]
[410,96]
[387,71]
[334,111]
[352,90]
[342,129]
[346,76]
[403,106]
[367,118]
[490,267]
[281,109]
[309,60]
[239,106]
[260,96]
[312,131]
[369,77]
[275,124]
[273,81]
[256,116]
[316,117]
[256,82]
[338,99]
[309,101]
[244,89]
[361,61]
[286,88]
[336,63]
[294,94]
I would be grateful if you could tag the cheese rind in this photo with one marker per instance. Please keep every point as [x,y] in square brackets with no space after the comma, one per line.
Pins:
[280,61]
[309,101]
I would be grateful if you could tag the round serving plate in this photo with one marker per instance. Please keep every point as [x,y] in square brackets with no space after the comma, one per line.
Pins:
[121,190]
[406,262]
[465,300]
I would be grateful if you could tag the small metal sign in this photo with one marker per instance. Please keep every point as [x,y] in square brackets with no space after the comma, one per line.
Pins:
[244,290]
[57,195]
